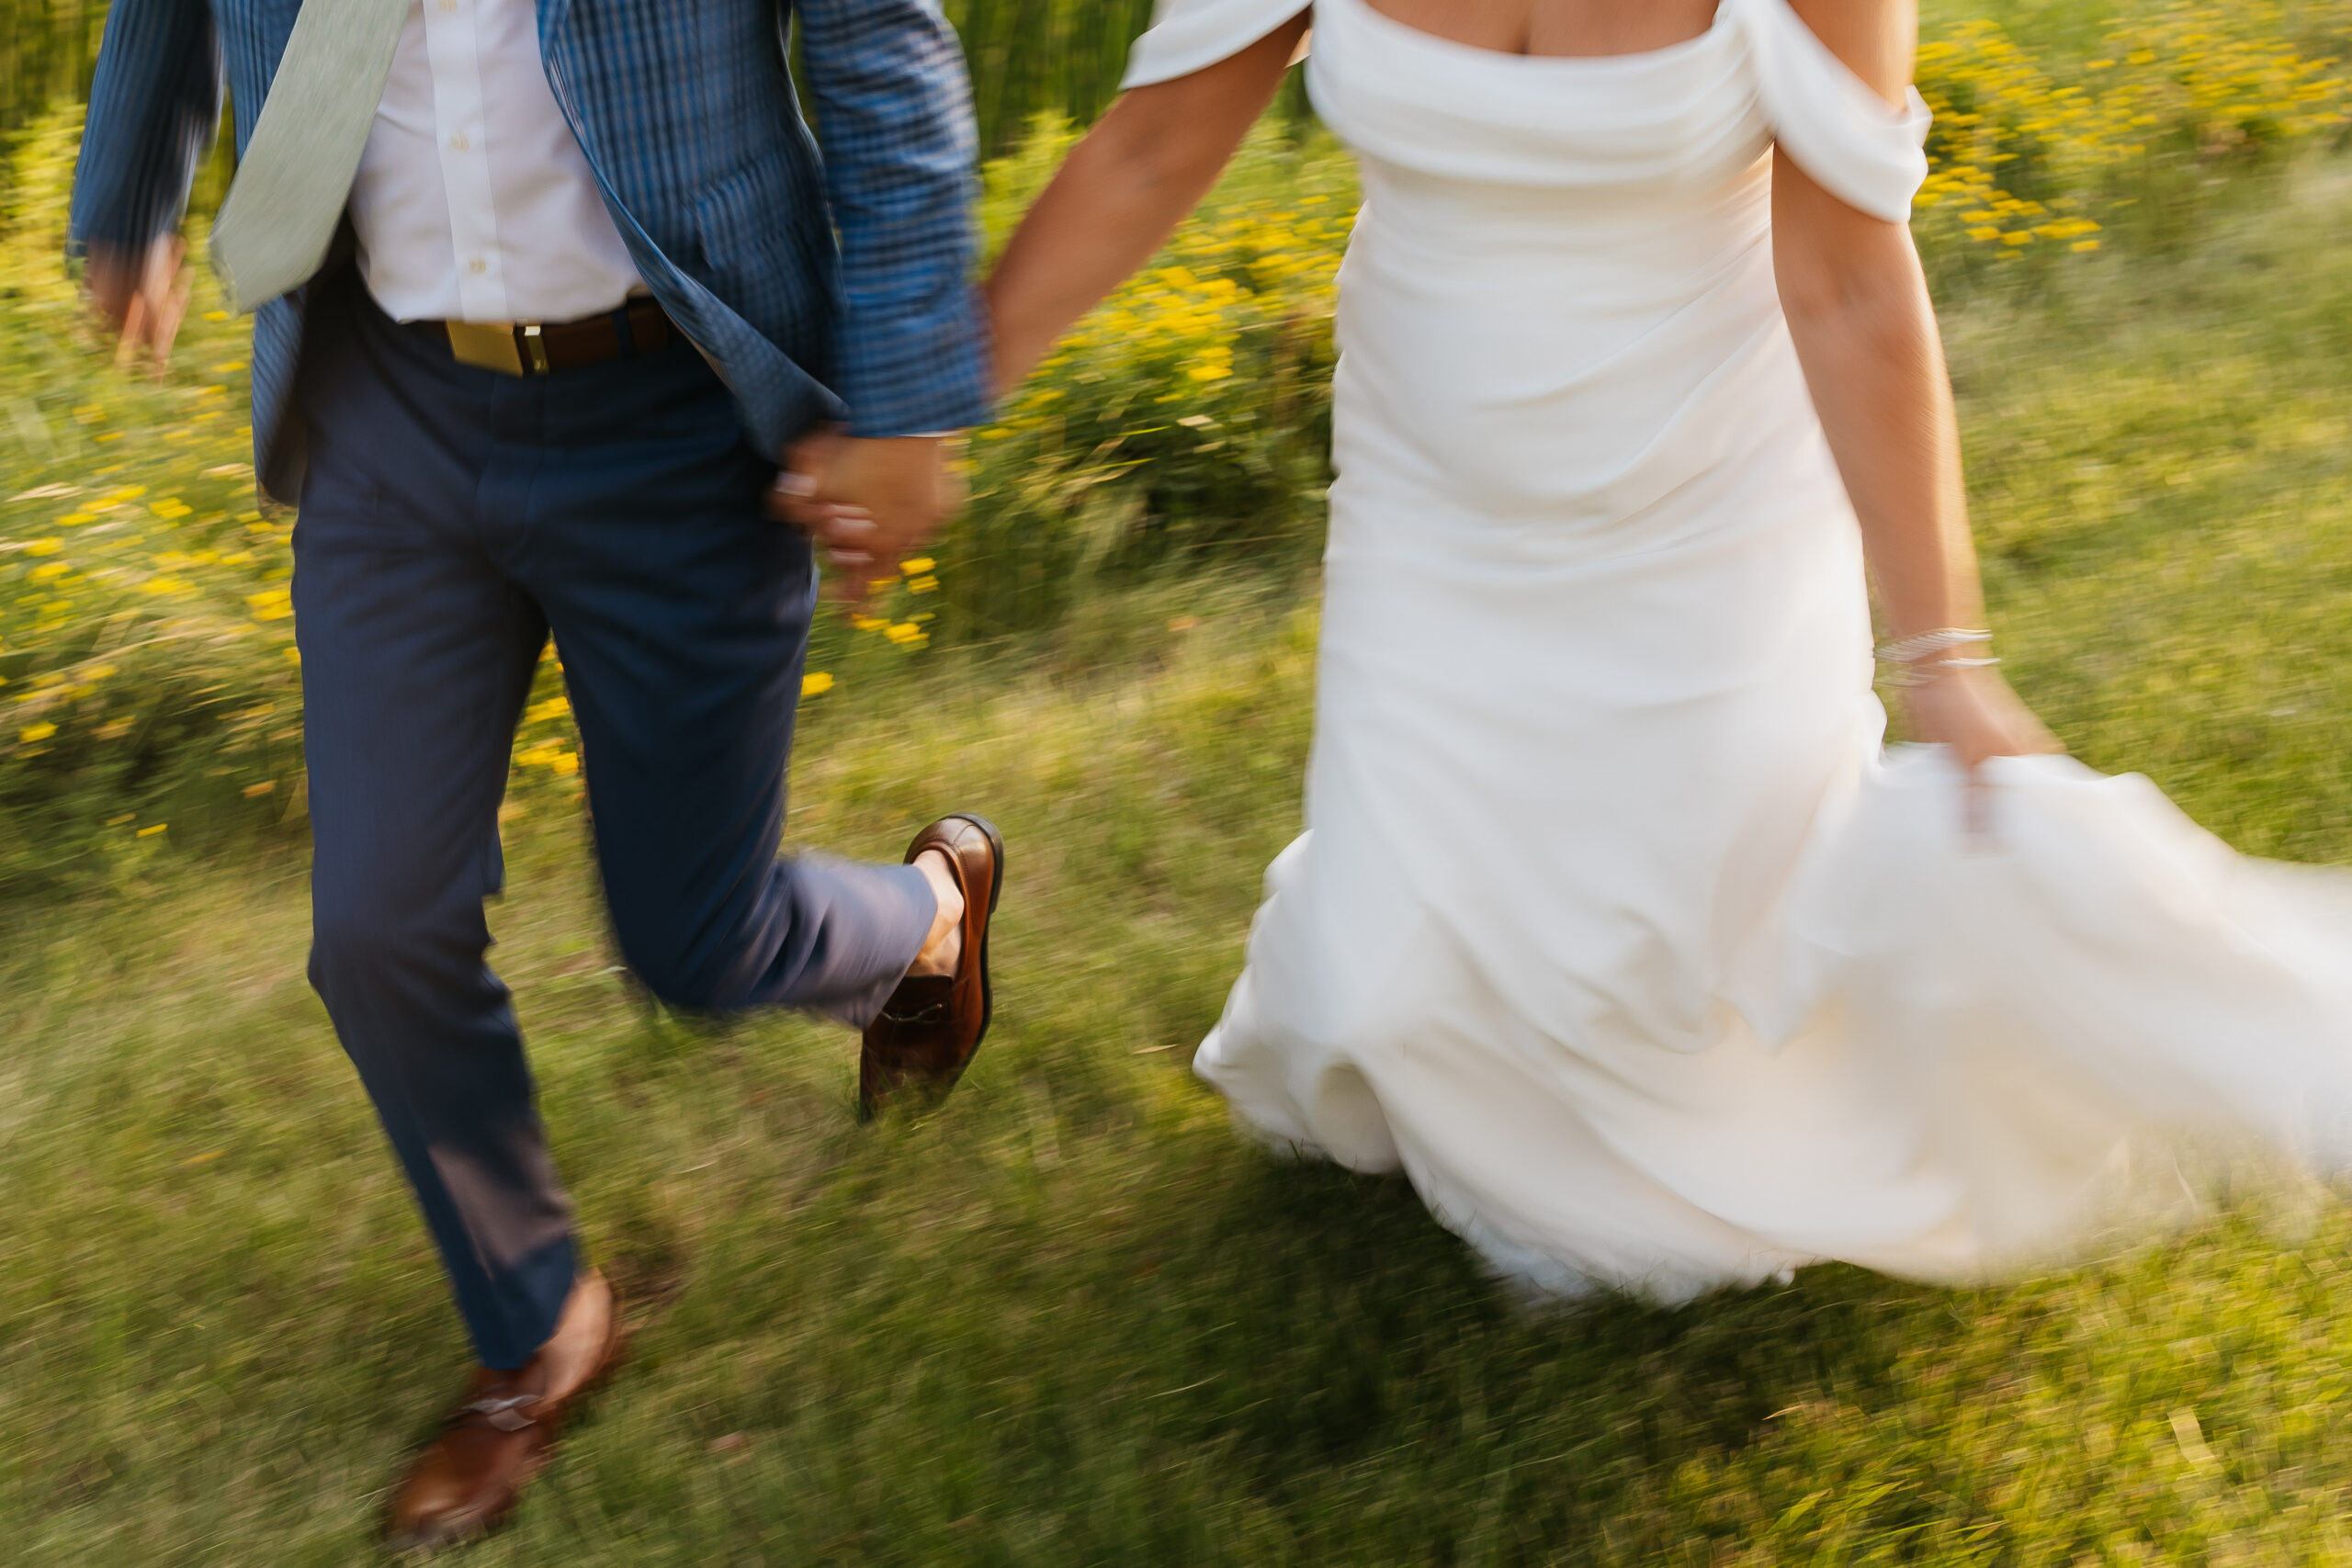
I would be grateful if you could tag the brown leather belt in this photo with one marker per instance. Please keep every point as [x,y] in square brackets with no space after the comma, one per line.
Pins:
[541,348]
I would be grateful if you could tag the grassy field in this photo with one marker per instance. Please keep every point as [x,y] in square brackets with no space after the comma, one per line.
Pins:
[1067,1319]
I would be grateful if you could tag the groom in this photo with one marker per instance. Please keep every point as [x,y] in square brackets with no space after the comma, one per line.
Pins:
[544,293]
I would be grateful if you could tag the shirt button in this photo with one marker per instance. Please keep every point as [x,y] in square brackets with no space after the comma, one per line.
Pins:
[477,264]
[459,142]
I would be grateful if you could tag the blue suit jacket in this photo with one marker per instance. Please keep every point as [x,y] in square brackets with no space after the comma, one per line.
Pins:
[819,288]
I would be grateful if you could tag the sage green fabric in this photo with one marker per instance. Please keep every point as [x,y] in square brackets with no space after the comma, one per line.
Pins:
[275,228]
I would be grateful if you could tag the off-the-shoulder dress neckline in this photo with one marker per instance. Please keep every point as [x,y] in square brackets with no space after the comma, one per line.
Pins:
[1422,36]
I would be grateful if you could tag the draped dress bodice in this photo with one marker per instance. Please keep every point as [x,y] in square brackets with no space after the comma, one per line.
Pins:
[1581,247]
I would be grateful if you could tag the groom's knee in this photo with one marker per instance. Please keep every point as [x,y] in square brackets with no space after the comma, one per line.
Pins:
[707,958]
[681,980]
[370,950]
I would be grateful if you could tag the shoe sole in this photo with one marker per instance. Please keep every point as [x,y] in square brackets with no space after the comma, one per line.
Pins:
[996,891]
[988,979]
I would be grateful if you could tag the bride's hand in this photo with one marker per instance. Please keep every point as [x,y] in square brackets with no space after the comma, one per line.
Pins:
[1975,714]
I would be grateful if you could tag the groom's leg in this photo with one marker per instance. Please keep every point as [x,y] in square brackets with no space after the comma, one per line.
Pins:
[681,612]
[417,654]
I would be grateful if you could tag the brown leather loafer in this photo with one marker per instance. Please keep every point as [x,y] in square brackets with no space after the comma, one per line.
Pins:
[931,1026]
[493,1445]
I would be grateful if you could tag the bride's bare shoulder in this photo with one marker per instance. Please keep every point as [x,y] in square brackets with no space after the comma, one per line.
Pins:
[1221,39]
[1876,39]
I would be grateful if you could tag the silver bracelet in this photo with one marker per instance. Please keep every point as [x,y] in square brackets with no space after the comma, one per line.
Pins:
[1903,650]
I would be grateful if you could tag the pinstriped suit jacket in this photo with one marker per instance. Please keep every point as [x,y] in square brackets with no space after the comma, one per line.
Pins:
[820,288]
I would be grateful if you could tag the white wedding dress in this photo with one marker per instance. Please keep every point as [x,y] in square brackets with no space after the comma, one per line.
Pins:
[1616,928]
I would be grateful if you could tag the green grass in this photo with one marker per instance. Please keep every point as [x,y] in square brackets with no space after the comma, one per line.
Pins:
[1069,1319]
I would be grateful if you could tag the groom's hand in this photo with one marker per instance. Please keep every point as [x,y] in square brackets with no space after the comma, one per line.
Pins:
[868,504]
[140,295]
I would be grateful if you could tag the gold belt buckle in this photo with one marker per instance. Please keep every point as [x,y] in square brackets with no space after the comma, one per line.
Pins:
[511,348]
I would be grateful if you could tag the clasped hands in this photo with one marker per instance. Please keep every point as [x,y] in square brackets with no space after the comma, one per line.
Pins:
[866,502]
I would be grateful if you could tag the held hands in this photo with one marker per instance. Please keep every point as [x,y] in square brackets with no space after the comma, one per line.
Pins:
[140,295]
[866,504]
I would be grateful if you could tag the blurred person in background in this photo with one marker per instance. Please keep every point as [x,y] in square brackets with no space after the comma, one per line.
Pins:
[1617,927]
[545,292]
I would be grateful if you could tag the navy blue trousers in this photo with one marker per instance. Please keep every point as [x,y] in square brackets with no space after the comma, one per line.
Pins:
[453,517]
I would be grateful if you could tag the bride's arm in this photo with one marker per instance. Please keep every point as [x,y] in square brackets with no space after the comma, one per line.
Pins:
[1857,306]
[1125,187]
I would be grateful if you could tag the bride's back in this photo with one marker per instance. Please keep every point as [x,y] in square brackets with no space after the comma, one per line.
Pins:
[1562,28]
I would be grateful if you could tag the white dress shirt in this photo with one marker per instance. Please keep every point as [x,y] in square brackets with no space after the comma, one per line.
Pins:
[473,202]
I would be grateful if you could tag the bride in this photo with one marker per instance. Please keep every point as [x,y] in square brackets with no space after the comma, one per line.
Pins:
[1616,926]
